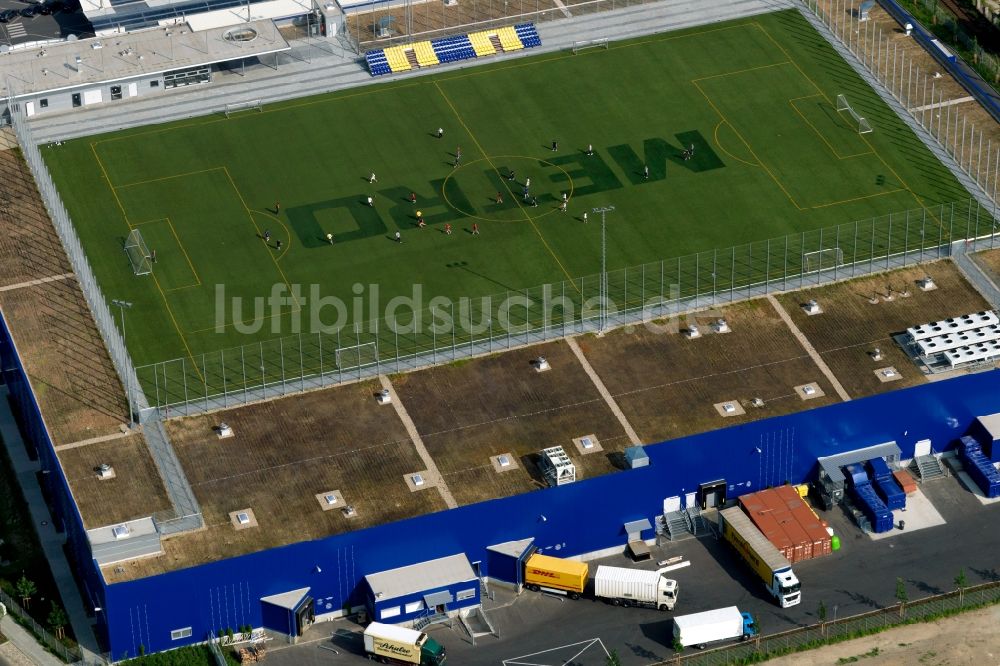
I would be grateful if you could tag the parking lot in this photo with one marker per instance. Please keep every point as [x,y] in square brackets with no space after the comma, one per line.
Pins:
[858,578]
[25,22]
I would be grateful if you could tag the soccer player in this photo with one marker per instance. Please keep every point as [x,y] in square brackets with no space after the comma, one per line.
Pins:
[420,222]
[555,145]
[585,218]
[458,155]
[277,244]
[565,197]
[645,171]
[475,229]
[562,207]
[499,198]
[691,150]
[277,207]
[524,192]
[372,178]
[329,239]
[371,202]
[399,238]
[534,202]
[267,236]
[510,174]
[590,149]
[527,183]
[447,228]
[413,197]
[440,132]
[152,256]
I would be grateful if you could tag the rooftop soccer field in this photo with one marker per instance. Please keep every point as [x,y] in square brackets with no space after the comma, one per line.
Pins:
[754,97]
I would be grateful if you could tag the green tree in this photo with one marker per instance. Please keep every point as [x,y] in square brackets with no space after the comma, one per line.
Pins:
[901,596]
[57,620]
[26,589]
[961,582]
[613,659]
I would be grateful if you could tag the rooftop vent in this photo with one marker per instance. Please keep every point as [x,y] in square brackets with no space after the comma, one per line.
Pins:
[541,364]
[349,511]
[504,460]
[120,531]
[243,518]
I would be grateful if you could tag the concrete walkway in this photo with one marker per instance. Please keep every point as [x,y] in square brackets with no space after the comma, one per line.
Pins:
[26,644]
[418,444]
[813,354]
[52,542]
[603,390]
[316,66]
[974,273]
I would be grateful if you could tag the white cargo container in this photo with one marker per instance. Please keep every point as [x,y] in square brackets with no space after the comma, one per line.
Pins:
[722,624]
[635,587]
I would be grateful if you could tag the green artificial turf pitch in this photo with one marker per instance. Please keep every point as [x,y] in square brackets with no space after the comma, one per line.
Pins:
[756,97]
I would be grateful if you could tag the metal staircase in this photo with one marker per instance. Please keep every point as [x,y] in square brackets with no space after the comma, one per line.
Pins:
[697,524]
[676,525]
[927,468]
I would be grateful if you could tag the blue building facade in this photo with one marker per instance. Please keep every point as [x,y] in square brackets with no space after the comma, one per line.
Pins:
[747,457]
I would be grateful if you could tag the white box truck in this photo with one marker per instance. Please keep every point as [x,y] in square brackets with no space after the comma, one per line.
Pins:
[635,587]
[390,644]
[722,624]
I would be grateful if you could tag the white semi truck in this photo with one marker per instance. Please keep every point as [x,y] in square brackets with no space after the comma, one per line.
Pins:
[722,624]
[635,587]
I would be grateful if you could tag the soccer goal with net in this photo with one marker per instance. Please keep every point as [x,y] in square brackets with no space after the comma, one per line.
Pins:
[357,356]
[249,105]
[138,253]
[586,44]
[822,260]
[843,105]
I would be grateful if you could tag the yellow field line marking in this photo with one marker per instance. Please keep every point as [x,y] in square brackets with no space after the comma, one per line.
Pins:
[867,196]
[254,223]
[867,142]
[723,149]
[157,180]
[328,97]
[829,145]
[504,182]
[166,303]
[747,144]
[743,71]
[186,257]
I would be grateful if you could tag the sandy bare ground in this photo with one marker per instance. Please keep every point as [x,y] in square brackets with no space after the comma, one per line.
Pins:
[970,638]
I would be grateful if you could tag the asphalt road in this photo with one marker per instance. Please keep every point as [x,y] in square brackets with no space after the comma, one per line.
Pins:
[37,28]
[858,578]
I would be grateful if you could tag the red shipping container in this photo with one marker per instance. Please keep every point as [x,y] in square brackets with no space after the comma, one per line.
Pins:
[788,523]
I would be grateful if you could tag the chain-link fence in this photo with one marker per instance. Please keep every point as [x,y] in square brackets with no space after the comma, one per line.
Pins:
[948,27]
[842,628]
[886,58]
[185,513]
[455,329]
[50,642]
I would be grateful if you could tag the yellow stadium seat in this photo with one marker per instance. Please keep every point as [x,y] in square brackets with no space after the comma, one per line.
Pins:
[509,39]
[425,54]
[481,44]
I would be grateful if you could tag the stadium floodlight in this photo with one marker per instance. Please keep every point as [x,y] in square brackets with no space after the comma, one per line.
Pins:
[123,305]
[604,210]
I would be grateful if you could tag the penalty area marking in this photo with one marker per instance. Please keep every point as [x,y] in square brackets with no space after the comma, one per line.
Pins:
[516,661]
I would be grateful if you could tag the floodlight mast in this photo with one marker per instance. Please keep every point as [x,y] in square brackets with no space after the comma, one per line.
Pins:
[604,210]
[123,305]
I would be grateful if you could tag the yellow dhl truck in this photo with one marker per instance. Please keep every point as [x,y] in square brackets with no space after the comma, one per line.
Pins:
[554,574]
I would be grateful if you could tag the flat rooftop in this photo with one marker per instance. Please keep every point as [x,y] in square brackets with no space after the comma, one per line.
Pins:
[124,56]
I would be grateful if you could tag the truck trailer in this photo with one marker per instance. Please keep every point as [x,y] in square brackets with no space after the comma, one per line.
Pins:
[764,559]
[554,574]
[722,624]
[390,644]
[635,587]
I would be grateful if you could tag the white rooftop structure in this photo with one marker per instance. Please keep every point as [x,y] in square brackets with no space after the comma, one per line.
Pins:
[79,63]
[953,325]
[557,466]
[416,578]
